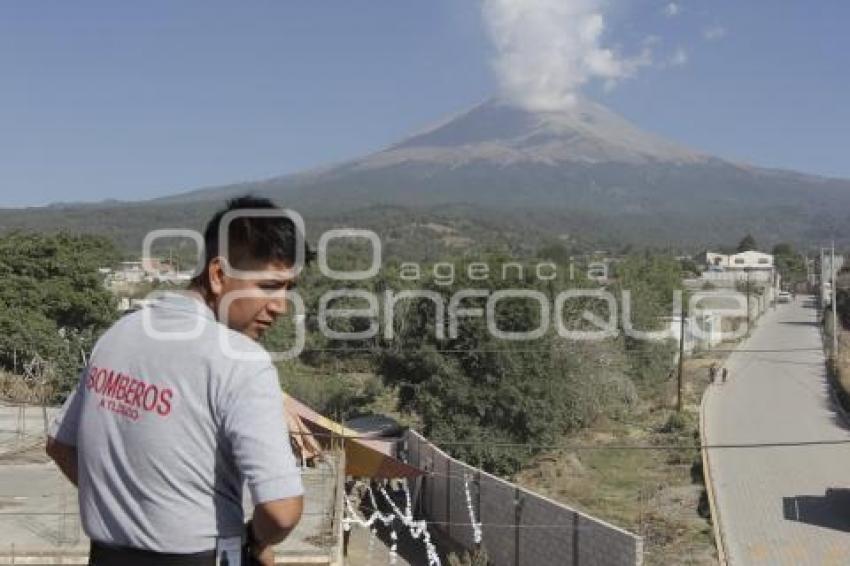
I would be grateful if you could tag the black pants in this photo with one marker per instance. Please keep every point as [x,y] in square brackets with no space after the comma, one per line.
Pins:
[105,555]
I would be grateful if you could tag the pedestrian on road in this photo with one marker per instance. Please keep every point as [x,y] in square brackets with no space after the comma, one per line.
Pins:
[712,373]
[179,406]
[725,374]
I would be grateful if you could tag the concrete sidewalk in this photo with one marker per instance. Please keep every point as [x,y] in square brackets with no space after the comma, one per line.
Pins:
[782,504]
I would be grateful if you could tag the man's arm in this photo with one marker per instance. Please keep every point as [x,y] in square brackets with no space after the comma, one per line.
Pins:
[254,423]
[62,434]
[65,457]
[272,522]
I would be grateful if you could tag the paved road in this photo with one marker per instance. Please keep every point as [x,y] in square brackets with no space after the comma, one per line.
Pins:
[780,505]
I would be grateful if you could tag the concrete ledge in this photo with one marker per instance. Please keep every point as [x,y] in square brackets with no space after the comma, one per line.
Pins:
[46,560]
[84,559]
[719,541]
[833,382]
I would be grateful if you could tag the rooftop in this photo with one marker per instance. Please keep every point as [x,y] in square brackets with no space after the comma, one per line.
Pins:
[39,519]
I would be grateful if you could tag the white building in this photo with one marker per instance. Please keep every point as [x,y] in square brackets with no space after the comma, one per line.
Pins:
[752,266]
[127,278]
[149,270]
[130,272]
[751,259]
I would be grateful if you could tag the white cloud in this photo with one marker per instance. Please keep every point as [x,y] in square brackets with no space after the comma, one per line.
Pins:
[679,57]
[651,40]
[547,49]
[672,9]
[713,33]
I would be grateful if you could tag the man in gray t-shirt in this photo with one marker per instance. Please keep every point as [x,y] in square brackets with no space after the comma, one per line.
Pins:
[179,406]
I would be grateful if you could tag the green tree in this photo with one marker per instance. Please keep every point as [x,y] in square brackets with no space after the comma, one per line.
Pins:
[747,243]
[790,265]
[652,283]
[554,251]
[52,299]
[491,401]
[783,249]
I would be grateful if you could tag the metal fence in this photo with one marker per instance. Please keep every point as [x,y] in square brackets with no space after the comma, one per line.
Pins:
[518,527]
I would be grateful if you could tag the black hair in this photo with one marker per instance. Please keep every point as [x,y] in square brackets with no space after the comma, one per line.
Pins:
[252,238]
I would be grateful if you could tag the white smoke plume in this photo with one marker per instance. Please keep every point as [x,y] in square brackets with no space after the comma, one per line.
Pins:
[547,49]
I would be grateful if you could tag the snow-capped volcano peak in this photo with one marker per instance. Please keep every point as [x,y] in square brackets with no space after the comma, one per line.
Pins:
[503,133]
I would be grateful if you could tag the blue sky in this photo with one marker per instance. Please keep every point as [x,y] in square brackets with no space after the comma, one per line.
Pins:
[131,100]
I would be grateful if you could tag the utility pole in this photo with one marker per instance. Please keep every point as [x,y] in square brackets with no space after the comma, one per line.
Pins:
[822,282]
[749,322]
[774,287]
[834,306]
[808,272]
[681,357]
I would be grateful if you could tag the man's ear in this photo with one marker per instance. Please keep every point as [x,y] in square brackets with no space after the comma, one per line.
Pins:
[216,275]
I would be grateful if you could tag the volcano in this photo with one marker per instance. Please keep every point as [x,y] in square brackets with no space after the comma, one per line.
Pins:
[585,162]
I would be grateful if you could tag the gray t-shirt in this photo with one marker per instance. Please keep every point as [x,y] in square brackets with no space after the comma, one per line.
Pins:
[173,413]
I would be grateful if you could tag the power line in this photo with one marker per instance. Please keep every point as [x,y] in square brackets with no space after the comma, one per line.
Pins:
[627,353]
[696,446]
[571,446]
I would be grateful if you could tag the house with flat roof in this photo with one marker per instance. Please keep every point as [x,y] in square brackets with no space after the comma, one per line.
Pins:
[730,269]
[741,261]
